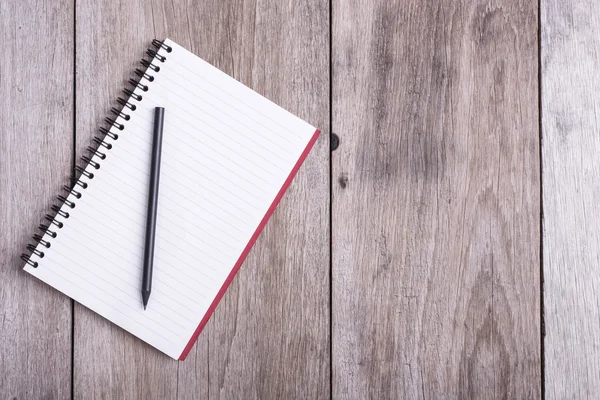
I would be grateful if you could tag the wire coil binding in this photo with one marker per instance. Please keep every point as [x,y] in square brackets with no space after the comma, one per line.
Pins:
[98,151]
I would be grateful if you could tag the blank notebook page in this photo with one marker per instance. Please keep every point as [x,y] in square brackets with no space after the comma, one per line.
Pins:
[228,155]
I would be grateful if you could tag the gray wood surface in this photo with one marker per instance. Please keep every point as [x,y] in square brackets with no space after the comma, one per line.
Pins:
[571,167]
[36,131]
[269,338]
[436,200]
[110,363]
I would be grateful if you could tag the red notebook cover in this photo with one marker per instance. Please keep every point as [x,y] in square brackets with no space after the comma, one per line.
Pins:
[246,250]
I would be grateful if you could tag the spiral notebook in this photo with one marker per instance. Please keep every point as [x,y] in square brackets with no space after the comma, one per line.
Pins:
[228,156]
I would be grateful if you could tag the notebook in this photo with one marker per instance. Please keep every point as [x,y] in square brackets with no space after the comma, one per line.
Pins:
[228,156]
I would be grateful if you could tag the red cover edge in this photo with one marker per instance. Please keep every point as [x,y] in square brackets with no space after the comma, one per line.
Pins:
[249,246]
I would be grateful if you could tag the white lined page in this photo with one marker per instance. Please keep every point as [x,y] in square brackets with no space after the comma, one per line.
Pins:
[227,152]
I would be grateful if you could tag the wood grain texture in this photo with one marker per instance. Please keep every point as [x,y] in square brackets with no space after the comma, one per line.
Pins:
[571,167]
[110,363]
[436,200]
[36,138]
[269,336]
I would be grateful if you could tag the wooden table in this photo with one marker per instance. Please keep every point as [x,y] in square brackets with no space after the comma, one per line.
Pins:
[412,262]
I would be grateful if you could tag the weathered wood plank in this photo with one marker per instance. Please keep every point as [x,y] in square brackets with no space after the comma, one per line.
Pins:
[36,139]
[571,166]
[110,363]
[436,204]
[269,336]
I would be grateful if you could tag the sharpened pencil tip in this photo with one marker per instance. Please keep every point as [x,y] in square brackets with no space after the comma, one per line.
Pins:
[145,298]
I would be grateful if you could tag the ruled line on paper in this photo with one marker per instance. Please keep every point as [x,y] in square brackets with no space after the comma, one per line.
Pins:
[272,139]
[141,211]
[203,143]
[196,299]
[130,294]
[212,134]
[169,267]
[129,315]
[185,183]
[215,71]
[137,243]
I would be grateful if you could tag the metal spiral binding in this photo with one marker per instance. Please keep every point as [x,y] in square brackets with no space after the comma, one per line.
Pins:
[100,150]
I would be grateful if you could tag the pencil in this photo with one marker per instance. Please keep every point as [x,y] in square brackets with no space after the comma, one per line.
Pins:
[159,117]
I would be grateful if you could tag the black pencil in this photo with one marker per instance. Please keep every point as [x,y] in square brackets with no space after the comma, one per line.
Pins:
[159,116]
